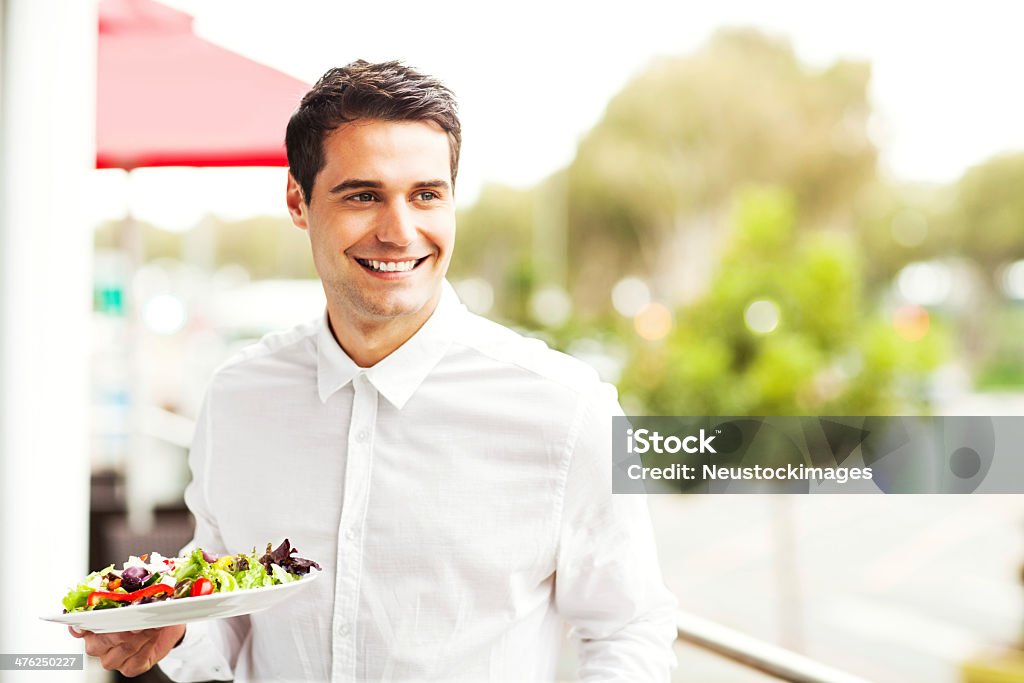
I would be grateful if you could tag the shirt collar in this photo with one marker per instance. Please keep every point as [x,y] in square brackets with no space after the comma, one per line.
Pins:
[398,375]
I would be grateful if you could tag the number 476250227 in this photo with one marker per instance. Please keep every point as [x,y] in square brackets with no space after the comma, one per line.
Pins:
[11,662]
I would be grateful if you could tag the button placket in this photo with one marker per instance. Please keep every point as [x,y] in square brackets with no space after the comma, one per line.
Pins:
[349,559]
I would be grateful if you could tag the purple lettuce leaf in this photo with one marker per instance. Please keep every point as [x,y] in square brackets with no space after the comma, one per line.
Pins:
[282,557]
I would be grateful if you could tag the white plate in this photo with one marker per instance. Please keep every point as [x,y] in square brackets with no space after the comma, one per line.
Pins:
[183,610]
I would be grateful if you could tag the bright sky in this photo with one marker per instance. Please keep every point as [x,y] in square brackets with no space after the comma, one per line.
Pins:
[532,77]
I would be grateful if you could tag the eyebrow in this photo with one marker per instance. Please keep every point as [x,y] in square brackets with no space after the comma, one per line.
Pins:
[359,183]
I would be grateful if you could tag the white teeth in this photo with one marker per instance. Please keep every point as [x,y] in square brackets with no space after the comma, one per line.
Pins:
[392,266]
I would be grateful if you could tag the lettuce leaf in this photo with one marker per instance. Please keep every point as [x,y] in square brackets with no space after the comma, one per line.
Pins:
[223,581]
[282,556]
[281,576]
[194,567]
[254,575]
[78,596]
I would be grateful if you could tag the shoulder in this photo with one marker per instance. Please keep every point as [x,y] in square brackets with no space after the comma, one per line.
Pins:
[525,356]
[274,353]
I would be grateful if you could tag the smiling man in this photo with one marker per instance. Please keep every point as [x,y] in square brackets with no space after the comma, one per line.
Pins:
[381,220]
[452,478]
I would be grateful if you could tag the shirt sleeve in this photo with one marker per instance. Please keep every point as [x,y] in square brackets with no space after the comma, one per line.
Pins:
[608,585]
[210,649]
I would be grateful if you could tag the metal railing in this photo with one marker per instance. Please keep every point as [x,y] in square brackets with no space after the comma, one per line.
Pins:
[757,654]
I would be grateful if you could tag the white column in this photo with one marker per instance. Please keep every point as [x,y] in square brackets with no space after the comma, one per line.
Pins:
[47,124]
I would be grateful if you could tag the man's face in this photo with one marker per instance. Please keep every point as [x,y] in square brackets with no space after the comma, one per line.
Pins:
[381,219]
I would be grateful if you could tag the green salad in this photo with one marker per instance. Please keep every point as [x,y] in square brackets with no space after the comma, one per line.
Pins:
[153,578]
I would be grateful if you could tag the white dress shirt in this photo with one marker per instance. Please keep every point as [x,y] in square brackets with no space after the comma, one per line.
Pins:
[458,497]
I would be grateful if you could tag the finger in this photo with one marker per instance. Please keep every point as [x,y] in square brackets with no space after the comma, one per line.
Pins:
[75,633]
[116,656]
[96,645]
[141,662]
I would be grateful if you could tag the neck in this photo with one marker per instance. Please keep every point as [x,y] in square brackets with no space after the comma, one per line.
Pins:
[367,342]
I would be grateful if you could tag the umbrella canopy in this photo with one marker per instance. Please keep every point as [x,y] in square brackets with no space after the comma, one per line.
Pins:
[166,97]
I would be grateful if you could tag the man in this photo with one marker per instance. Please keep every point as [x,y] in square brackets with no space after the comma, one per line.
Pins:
[451,477]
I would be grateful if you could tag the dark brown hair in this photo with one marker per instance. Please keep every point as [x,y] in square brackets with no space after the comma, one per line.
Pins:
[387,91]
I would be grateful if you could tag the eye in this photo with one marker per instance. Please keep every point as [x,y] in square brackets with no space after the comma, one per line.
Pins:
[363,197]
[426,195]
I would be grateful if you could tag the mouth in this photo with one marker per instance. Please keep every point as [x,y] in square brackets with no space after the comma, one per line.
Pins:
[395,268]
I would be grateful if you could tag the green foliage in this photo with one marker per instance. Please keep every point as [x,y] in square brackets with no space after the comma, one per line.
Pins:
[825,356]
[494,242]
[669,153]
[266,247]
[1003,365]
[742,163]
[156,243]
[986,219]
[685,134]
[899,224]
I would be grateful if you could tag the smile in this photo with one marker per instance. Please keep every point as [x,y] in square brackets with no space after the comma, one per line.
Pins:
[403,266]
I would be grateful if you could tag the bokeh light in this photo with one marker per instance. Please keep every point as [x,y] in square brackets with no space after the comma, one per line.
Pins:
[164,314]
[911,322]
[629,295]
[909,228]
[653,321]
[550,306]
[1013,280]
[925,283]
[762,316]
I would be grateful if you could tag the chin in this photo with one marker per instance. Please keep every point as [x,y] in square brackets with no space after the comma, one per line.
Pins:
[390,310]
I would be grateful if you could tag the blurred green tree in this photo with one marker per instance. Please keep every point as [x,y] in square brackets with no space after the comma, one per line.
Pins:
[982,219]
[157,243]
[985,219]
[808,347]
[898,224]
[649,187]
[652,181]
[267,247]
[494,238]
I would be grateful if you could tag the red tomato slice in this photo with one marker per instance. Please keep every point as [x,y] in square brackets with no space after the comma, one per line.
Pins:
[202,586]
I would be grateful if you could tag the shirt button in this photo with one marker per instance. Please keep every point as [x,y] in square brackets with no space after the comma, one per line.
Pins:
[362,436]
[351,534]
[342,629]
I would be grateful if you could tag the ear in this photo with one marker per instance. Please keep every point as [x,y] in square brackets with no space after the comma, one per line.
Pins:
[297,207]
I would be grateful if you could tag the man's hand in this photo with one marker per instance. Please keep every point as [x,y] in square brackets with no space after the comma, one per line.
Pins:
[131,652]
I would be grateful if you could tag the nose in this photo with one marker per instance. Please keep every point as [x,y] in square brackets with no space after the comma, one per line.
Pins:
[397,225]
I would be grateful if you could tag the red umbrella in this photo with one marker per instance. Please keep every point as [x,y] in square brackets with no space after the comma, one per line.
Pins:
[166,97]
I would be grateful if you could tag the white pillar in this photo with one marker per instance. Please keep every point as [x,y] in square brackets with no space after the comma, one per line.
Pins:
[47,124]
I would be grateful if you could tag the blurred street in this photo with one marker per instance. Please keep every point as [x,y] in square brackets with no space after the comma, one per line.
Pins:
[896,589]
